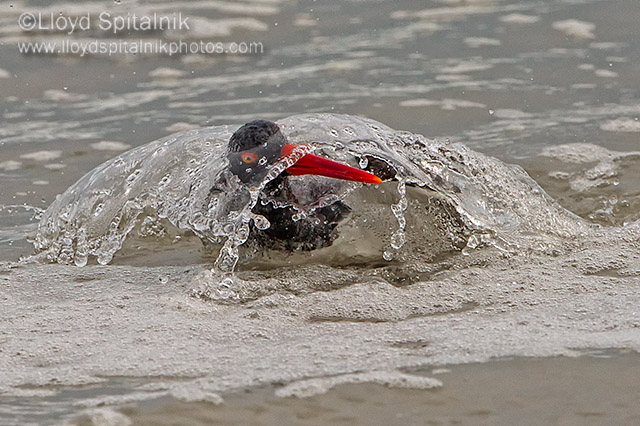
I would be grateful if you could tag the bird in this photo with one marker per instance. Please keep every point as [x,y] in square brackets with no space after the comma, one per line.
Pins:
[252,149]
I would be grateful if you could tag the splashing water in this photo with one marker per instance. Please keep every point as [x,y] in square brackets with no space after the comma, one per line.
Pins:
[238,229]
[21,220]
[173,179]
[398,238]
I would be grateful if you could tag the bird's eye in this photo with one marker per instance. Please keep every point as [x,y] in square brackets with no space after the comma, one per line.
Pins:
[249,157]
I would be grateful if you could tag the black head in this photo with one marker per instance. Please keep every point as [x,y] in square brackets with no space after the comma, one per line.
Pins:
[253,147]
[260,143]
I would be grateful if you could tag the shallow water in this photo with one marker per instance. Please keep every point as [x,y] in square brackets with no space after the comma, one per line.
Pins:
[550,86]
[520,88]
[540,391]
[535,391]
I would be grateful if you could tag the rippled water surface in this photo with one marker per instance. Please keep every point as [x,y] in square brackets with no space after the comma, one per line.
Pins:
[510,79]
[483,393]
[514,129]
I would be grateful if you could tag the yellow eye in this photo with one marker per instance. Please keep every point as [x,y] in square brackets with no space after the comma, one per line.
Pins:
[249,157]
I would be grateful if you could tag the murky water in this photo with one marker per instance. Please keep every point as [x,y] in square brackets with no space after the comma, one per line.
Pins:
[536,392]
[549,86]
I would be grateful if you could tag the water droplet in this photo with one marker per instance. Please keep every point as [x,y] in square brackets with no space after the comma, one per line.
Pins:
[133,176]
[300,215]
[261,222]
[242,234]
[398,238]
[98,209]
[105,258]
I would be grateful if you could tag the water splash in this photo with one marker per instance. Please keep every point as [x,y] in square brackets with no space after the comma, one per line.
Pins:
[239,227]
[36,212]
[20,220]
[183,179]
[398,238]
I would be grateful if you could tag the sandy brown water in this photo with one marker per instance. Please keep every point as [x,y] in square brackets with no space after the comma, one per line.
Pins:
[523,391]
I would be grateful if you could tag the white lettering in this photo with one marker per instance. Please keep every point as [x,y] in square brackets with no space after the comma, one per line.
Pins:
[105,23]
